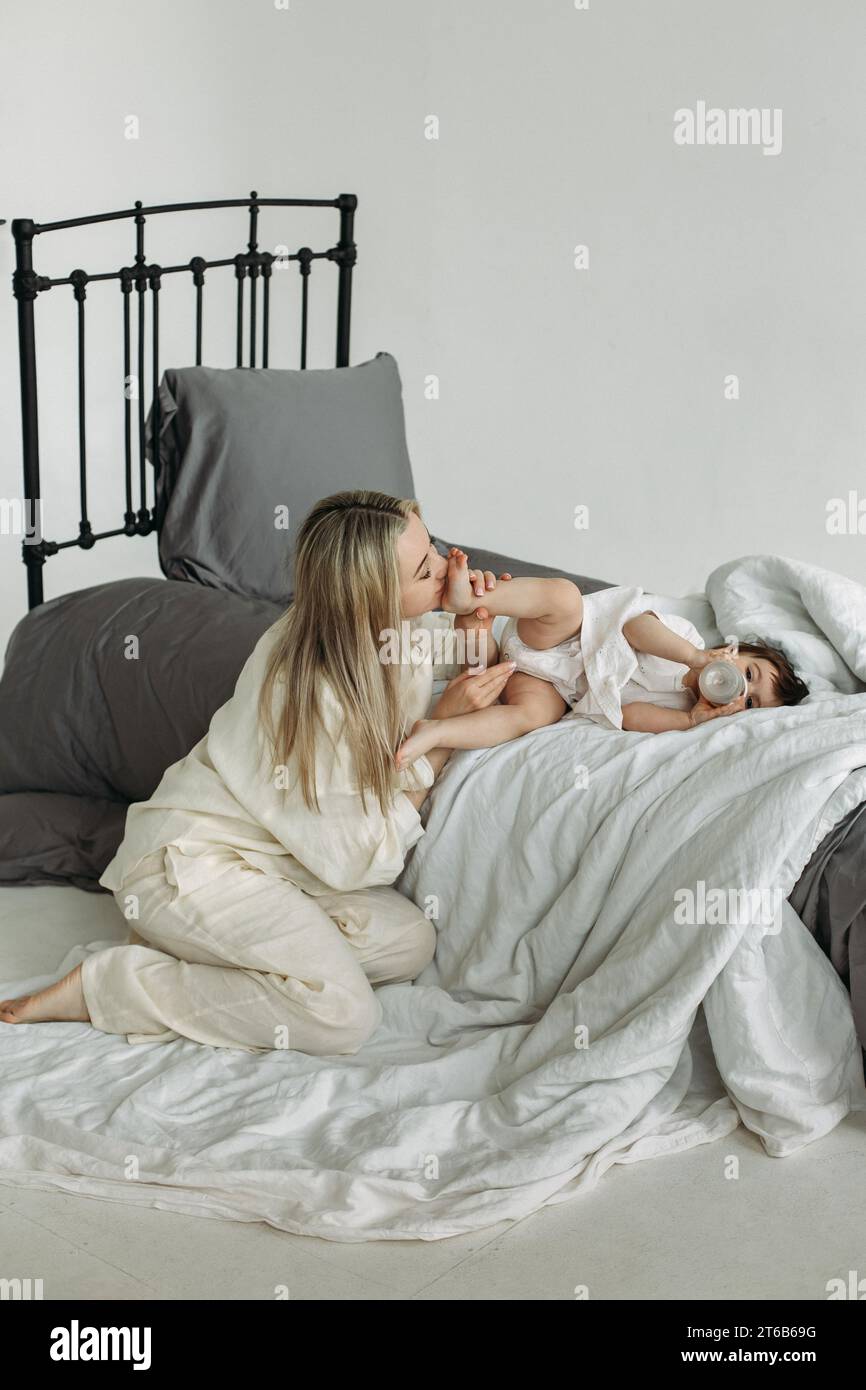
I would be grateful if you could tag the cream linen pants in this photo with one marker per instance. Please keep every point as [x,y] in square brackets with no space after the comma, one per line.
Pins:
[248,960]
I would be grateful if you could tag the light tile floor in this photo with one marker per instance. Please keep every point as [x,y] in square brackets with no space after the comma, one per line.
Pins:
[667,1228]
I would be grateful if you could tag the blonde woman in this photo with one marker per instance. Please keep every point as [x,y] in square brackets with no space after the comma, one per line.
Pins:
[256,877]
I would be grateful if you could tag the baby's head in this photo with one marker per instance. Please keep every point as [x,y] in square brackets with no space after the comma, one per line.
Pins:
[770,675]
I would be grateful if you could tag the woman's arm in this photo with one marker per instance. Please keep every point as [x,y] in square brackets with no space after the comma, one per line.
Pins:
[471,690]
[486,646]
[437,758]
[481,620]
[351,841]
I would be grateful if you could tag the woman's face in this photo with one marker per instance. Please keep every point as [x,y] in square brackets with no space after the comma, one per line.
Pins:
[422,569]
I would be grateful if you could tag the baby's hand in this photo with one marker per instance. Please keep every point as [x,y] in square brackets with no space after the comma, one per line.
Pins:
[703,658]
[704,710]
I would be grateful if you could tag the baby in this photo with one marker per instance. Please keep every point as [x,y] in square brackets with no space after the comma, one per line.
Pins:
[603,656]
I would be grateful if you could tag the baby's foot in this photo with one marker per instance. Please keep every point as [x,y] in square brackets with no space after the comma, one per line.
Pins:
[423,737]
[60,1003]
[458,596]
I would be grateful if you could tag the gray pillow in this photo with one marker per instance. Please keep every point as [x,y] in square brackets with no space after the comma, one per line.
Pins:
[507,564]
[46,837]
[78,717]
[236,444]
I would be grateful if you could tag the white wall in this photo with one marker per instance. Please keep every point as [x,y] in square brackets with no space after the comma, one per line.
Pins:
[559,387]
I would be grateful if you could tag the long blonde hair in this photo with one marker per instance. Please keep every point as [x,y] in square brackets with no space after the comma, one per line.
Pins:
[346,592]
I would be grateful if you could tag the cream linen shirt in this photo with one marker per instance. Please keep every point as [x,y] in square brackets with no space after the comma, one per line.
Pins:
[221,795]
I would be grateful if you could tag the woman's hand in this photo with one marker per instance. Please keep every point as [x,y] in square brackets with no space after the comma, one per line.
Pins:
[483,581]
[486,648]
[463,583]
[473,689]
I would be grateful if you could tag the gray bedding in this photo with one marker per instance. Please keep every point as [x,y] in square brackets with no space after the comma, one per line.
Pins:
[830,898]
[102,690]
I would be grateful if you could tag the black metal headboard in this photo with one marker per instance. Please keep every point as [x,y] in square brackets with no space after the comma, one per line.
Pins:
[143,276]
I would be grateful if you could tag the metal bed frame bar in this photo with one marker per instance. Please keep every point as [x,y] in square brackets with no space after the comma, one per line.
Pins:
[142,277]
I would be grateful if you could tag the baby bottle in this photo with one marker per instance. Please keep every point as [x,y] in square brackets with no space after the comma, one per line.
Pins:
[721,681]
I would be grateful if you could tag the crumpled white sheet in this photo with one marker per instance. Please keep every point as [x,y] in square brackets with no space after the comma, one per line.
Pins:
[551,865]
[817,617]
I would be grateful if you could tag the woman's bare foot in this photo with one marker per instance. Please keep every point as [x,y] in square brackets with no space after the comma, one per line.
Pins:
[458,596]
[423,736]
[60,1003]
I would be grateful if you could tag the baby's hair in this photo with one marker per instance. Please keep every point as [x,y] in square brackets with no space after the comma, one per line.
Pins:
[786,683]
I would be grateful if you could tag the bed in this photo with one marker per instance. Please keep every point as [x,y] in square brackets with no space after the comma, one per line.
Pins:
[574,1016]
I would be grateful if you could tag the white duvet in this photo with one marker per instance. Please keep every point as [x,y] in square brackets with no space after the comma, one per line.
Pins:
[578,1012]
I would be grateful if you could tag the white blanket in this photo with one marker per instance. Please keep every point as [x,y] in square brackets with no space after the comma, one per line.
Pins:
[818,618]
[571,1019]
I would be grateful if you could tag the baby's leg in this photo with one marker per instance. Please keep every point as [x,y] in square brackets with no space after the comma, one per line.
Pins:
[547,610]
[562,619]
[531,704]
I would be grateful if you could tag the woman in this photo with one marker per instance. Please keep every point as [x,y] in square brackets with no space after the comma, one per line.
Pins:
[256,875]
